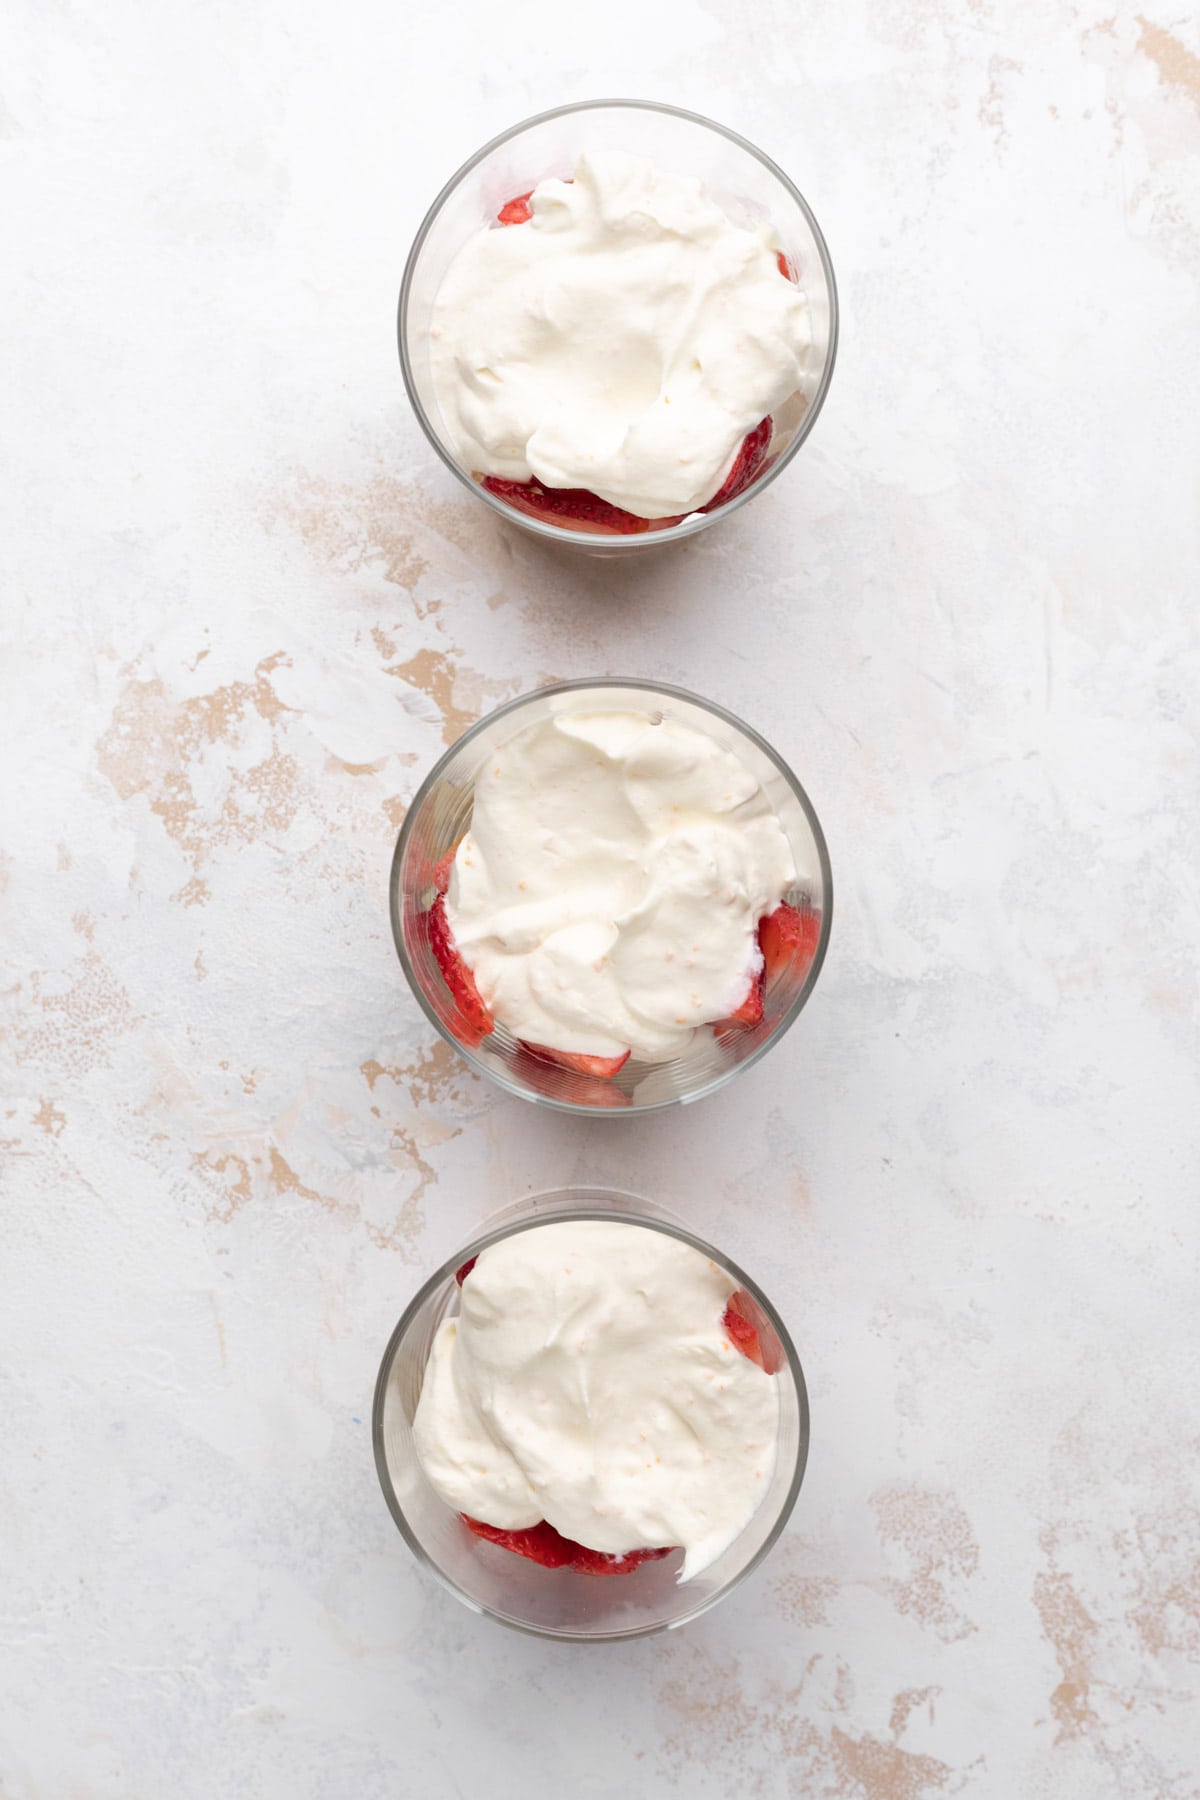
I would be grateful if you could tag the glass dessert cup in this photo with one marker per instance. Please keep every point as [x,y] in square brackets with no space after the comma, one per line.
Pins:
[560,1603]
[744,182]
[441,812]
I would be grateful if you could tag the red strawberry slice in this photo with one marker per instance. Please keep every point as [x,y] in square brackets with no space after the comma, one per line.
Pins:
[443,870]
[750,1331]
[787,267]
[750,1012]
[575,509]
[603,1067]
[475,1021]
[437,874]
[461,1273]
[517,210]
[542,1544]
[788,938]
[741,1334]
[585,1090]
[747,464]
[578,509]
[598,1562]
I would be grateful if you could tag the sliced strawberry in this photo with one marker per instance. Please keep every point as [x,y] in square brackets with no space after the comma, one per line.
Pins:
[787,267]
[474,1019]
[741,1334]
[598,1562]
[443,870]
[585,1090]
[788,938]
[747,464]
[575,509]
[461,1273]
[603,1067]
[750,1331]
[750,1012]
[578,509]
[516,211]
[436,874]
[542,1544]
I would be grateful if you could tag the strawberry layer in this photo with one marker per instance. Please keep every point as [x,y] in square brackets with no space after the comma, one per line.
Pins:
[472,1015]
[577,509]
[542,1544]
[787,939]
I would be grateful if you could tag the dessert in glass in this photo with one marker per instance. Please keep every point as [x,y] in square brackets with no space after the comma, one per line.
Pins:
[610,896]
[589,1423]
[617,323]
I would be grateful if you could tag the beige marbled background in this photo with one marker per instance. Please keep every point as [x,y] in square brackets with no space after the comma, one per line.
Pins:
[244,610]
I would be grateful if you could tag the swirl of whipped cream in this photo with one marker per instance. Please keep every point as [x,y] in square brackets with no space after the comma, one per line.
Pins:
[589,1381]
[624,339]
[607,895]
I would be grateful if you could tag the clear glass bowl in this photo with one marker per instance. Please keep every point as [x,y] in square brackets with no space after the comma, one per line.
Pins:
[441,812]
[557,1602]
[745,182]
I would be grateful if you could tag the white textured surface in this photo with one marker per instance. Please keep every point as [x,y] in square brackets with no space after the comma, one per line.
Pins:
[250,611]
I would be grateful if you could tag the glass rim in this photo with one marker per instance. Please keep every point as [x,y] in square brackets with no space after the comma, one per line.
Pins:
[577,1213]
[591,540]
[576,1108]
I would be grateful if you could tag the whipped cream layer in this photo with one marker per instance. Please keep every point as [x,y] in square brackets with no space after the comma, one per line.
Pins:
[625,339]
[607,895]
[588,1380]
